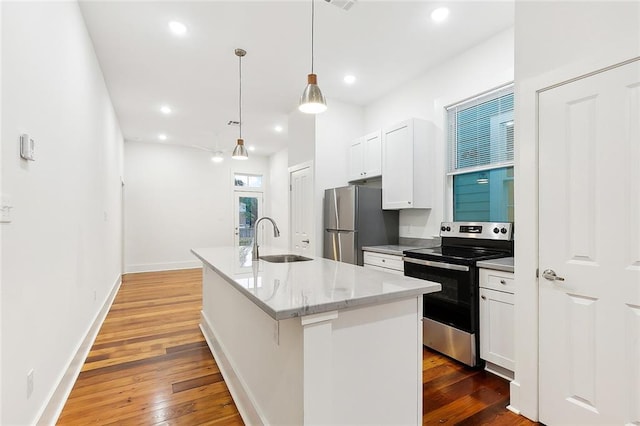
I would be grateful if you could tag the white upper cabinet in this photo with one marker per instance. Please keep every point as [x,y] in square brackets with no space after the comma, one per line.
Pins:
[407,165]
[365,157]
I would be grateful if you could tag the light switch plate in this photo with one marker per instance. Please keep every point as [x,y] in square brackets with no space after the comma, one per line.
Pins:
[27,147]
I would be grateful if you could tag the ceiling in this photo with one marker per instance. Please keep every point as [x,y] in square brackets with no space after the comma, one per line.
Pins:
[382,43]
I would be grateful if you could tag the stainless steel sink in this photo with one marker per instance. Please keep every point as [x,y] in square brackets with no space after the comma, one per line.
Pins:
[284,258]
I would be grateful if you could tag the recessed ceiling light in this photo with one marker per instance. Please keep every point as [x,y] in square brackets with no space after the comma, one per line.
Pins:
[252,148]
[349,79]
[278,129]
[440,14]
[162,137]
[165,109]
[178,28]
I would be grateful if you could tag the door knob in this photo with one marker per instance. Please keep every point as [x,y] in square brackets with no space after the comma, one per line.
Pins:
[550,274]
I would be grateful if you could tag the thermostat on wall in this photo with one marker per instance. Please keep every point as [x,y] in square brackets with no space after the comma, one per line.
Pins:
[27,147]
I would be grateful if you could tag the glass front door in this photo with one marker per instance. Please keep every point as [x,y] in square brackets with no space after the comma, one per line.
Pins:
[248,208]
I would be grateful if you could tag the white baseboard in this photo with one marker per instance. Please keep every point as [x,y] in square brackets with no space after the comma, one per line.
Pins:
[53,408]
[514,394]
[241,398]
[168,266]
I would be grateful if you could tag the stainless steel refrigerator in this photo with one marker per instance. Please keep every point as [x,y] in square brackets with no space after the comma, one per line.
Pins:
[353,218]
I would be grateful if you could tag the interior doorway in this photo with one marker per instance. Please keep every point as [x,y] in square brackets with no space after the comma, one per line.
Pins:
[589,249]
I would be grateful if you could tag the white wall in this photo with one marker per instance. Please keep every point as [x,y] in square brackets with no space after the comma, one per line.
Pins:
[554,41]
[0,224]
[61,255]
[335,129]
[301,131]
[481,68]
[278,201]
[177,199]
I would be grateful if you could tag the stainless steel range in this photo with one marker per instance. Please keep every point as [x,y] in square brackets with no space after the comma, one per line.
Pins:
[450,317]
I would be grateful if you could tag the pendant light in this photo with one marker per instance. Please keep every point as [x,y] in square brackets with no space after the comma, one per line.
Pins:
[240,152]
[217,157]
[312,101]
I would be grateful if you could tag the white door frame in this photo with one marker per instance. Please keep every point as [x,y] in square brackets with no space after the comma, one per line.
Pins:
[603,266]
[524,388]
[312,230]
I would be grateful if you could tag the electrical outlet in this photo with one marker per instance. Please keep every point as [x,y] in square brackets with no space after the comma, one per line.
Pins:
[5,208]
[29,383]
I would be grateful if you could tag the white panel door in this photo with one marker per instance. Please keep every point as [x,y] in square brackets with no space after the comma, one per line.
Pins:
[301,197]
[589,214]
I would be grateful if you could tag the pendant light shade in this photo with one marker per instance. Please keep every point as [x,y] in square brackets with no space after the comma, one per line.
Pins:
[240,152]
[217,157]
[312,100]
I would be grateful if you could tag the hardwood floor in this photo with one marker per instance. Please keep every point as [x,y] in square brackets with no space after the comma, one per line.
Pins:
[150,365]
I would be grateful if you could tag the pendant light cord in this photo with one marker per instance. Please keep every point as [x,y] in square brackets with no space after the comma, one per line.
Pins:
[240,95]
[313,10]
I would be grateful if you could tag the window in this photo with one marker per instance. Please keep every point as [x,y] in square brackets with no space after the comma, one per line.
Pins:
[480,141]
[247,181]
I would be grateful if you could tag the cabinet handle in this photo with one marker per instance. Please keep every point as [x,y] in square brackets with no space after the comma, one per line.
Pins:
[384,260]
[503,282]
[483,297]
[408,202]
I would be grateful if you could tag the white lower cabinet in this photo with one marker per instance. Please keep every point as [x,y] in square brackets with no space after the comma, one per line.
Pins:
[384,262]
[497,298]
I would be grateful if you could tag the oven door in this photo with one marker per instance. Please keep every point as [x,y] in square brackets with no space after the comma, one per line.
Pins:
[455,304]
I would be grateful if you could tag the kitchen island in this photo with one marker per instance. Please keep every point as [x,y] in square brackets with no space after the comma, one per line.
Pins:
[314,342]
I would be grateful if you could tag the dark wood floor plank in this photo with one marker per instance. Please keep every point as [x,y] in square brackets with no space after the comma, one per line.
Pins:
[196,383]
[150,365]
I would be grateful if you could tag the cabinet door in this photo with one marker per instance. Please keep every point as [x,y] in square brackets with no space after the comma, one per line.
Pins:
[372,155]
[397,166]
[356,165]
[496,328]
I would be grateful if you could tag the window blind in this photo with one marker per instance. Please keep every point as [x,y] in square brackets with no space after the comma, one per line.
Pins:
[480,132]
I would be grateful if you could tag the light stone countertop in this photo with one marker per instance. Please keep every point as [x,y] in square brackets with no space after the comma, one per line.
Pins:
[503,264]
[388,249]
[405,243]
[287,290]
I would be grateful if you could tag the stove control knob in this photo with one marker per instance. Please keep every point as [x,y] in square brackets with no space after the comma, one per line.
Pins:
[496,230]
[448,228]
[443,229]
[503,230]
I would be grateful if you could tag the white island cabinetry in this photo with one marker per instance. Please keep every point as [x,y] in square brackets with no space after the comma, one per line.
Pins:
[314,342]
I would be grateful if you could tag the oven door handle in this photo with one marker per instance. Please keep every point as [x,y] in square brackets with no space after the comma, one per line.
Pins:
[440,265]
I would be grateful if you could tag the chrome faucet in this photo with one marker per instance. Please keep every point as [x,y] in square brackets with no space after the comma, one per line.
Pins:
[276,233]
